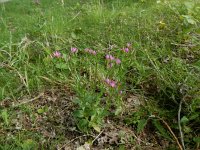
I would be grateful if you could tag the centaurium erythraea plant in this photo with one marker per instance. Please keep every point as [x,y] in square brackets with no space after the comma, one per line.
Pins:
[109,57]
[74,50]
[111,83]
[56,54]
[125,49]
[90,51]
[118,61]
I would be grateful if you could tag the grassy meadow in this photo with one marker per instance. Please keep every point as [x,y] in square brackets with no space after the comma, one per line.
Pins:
[100,74]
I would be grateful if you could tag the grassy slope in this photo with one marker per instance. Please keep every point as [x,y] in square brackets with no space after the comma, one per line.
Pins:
[163,64]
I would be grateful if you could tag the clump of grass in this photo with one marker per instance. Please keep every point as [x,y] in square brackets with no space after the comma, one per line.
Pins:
[106,50]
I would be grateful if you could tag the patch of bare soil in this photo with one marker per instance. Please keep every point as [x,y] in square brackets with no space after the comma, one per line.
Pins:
[50,115]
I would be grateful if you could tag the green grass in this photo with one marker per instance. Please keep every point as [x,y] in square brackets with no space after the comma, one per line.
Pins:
[162,64]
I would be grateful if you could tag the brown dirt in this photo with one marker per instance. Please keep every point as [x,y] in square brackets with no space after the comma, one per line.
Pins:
[50,115]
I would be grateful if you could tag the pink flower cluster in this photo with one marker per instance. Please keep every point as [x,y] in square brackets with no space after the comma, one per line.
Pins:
[111,83]
[112,58]
[109,57]
[74,50]
[90,51]
[126,49]
[56,54]
[118,61]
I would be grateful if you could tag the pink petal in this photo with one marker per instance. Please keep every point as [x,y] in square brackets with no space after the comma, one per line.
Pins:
[113,84]
[74,49]
[111,57]
[57,54]
[107,56]
[94,52]
[126,50]
[90,51]
[108,81]
[118,61]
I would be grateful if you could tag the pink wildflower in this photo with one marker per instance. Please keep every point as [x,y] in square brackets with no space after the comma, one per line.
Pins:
[94,52]
[109,57]
[118,61]
[57,54]
[125,49]
[113,84]
[90,51]
[108,81]
[74,50]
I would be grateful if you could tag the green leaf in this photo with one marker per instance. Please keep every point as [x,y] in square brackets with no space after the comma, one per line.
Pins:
[62,66]
[40,110]
[189,19]
[161,129]
[141,124]
[83,125]
[184,120]
[96,127]
[122,147]
[28,144]
[65,57]
[194,116]
[196,139]
[79,113]
[189,5]
[73,35]
[197,64]
[187,129]
[5,116]
[118,111]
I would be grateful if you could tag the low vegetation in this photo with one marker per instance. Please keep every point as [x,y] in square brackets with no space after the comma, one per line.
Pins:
[104,74]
